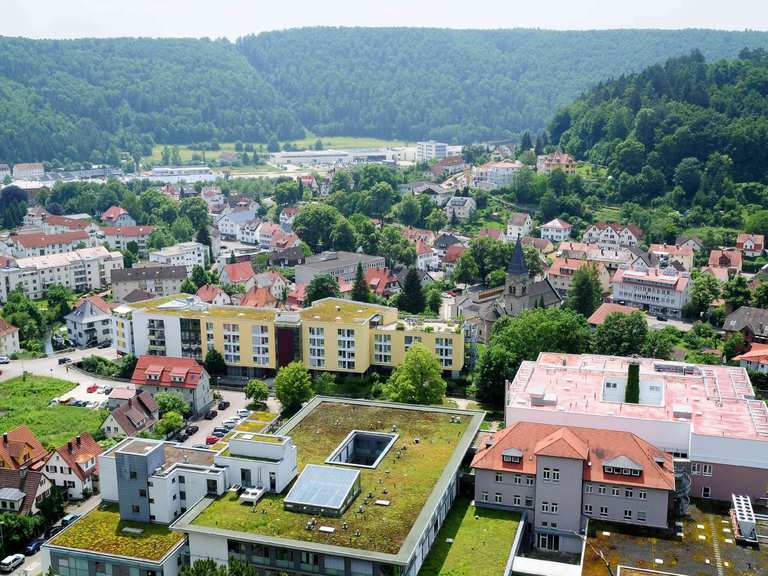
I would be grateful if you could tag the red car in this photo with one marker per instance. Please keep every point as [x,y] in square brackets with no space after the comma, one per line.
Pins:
[211,440]
[92,389]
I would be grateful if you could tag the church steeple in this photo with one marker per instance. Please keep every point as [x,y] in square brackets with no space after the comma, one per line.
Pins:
[517,266]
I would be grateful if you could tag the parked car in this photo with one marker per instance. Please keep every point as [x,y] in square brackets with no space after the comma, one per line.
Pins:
[192,429]
[65,360]
[92,389]
[180,436]
[79,403]
[4,360]
[69,518]
[219,432]
[211,440]
[243,413]
[53,530]
[105,344]
[10,563]
[199,446]
[34,546]
[211,414]
[661,318]
[229,424]
[224,404]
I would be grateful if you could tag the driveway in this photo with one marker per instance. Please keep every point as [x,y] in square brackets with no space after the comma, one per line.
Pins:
[237,401]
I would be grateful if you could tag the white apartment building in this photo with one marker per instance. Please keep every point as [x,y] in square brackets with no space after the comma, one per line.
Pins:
[265,232]
[28,171]
[24,245]
[188,254]
[495,174]
[80,270]
[431,150]
[556,230]
[461,207]
[230,222]
[9,338]
[661,292]
[519,225]
[612,235]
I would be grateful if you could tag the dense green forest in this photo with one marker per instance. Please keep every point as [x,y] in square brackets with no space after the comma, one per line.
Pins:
[85,100]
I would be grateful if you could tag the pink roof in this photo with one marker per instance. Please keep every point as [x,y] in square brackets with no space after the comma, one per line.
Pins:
[128,230]
[97,301]
[378,279]
[718,396]
[557,224]
[518,218]
[606,308]
[673,249]
[71,223]
[258,297]
[422,248]
[113,213]
[757,353]
[238,272]
[42,240]
[720,274]
[165,367]
[494,233]
[269,228]
[651,276]
[207,292]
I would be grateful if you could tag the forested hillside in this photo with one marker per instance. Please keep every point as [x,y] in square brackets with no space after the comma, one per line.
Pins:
[81,100]
[66,99]
[456,85]
[697,130]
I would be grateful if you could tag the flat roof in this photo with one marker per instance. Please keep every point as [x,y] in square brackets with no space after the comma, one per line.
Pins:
[431,445]
[720,398]
[187,306]
[172,453]
[102,531]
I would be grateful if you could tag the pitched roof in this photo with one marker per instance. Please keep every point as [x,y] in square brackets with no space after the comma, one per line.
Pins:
[41,240]
[378,279]
[15,443]
[595,447]
[167,371]
[6,327]
[97,301]
[238,272]
[137,295]
[71,223]
[422,248]
[453,253]
[517,266]
[113,213]
[567,266]
[208,292]
[673,249]
[78,451]
[128,230]
[24,481]
[757,353]
[558,224]
[725,259]
[136,414]
[258,297]
[606,308]
[138,273]
[445,240]
[494,233]
[757,239]
[756,319]
[720,274]
[518,218]
[540,244]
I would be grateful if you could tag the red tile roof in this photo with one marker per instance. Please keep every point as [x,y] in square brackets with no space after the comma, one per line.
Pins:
[41,240]
[422,248]
[518,218]
[599,315]
[156,371]
[757,353]
[97,301]
[208,292]
[6,328]
[239,272]
[453,253]
[757,239]
[591,445]
[258,298]
[113,213]
[80,450]
[71,223]
[15,443]
[128,230]
[494,233]
[725,259]
[379,279]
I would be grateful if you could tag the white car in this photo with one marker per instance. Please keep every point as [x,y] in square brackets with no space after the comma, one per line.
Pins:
[10,563]
[243,413]
[229,424]
[4,360]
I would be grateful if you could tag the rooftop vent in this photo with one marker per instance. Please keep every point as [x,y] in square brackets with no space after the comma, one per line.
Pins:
[133,531]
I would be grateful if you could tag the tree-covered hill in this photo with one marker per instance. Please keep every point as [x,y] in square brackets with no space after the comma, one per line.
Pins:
[697,129]
[78,100]
[67,98]
[457,85]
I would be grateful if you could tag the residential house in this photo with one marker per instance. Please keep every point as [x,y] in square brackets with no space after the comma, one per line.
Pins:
[240,273]
[728,258]
[265,232]
[258,297]
[443,241]
[561,273]
[611,258]
[26,245]
[612,236]
[273,281]
[20,448]
[74,467]
[137,295]
[604,310]
[560,476]
[295,300]
[118,237]
[90,322]
[249,232]
[117,216]
[720,274]
[53,224]
[751,245]
[287,216]
[435,192]
[692,242]
[81,270]
[381,281]
[212,294]
[28,171]
[229,222]
[426,257]
[157,280]
[287,257]
[9,338]
[496,174]
[448,166]
[138,412]
[339,264]
[451,258]
[755,359]
[751,322]
[213,198]
[541,245]
[416,234]
[518,226]
[556,230]
[155,374]
[546,163]
[663,292]
[22,490]
[669,254]
[460,208]
[495,233]
[35,216]
[284,240]
[187,254]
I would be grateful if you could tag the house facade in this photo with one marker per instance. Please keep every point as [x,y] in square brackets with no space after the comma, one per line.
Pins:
[460,207]
[22,491]
[90,322]
[187,254]
[556,230]
[546,163]
[519,225]
[751,245]
[9,338]
[156,280]
[118,237]
[154,373]
[561,273]
[137,413]
[612,236]
[117,216]
[661,292]
[26,245]
[74,468]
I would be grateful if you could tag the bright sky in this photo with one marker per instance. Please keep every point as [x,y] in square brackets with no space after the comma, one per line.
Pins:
[233,18]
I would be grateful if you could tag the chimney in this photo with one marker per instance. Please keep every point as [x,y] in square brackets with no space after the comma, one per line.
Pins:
[77,439]
[69,445]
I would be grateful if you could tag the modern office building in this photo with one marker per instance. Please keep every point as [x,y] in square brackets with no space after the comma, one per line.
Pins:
[333,334]
[80,270]
[662,292]
[341,265]
[431,150]
[154,279]
[706,416]
[187,254]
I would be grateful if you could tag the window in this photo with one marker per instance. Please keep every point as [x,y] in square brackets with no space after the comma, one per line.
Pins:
[706,492]
[603,510]
[530,480]
[627,514]
[629,493]
[641,516]
[484,496]
[135,508]
[546,474]
[555,474]
[510,459]
[132,475]
[695,469]
[635,472]
[499,477]
[588,509]
[554,507]
[516,500]
[498,498]
[642,494]
[588,488]
[529,502]
[706,469]
[614,491]
[601,489]
[142,493]
[608,470]
[518,479]
[545,506]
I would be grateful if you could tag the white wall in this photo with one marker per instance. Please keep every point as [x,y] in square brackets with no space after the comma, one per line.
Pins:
[733,451]
[203,546]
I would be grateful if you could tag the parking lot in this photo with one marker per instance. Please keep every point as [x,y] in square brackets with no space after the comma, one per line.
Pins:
[237,401]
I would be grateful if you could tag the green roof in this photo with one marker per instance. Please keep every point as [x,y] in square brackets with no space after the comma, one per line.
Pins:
[154,306]
[431,440]
[349,311]
[101,531]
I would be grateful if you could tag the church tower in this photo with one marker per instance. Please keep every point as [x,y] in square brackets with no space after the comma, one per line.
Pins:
[517,282]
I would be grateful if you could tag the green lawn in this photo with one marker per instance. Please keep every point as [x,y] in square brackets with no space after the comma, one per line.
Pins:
[25,401]
[608,214]
[482,541]
[347,142]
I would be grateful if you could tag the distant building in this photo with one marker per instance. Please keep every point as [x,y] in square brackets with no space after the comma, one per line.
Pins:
[187,254]
[177,174]
[118,237]
[430,150]
[26,245]
[730,259]
[381,281]
[9,338]
[519,225]
[448,166]
[212,294]
[556,230]
[20,449]
[561,273]
[546,163]
[240,273]
[494,233]
[157,280]
[460,207]
[751,245]
[155,374]
[28,171]
[287,257]
[443,241]
[692,242]
[340,265]
[670,254]
[749,321]
[137,413]
[605,309]
[90,322]
[755,359]
[5,171]
[496,174]
[73,466]
[287,216]
[257,298]
[266,232]
[229,223]
[451,258]
[662,292]
[612,235]
[117,216]
[426,257]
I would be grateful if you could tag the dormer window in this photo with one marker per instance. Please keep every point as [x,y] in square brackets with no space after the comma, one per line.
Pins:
[608,470]
[511,459]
